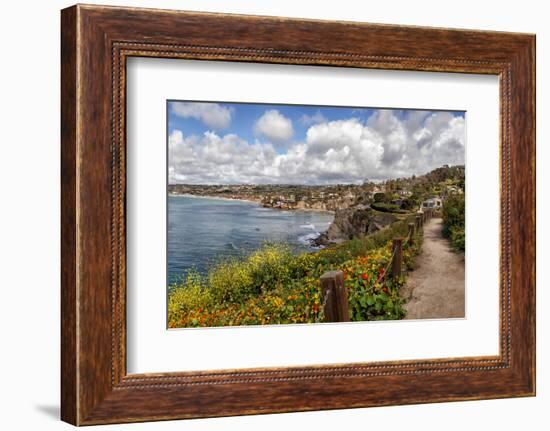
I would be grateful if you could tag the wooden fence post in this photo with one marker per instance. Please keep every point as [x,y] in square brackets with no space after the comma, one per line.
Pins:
[411,233]
[397,257]
[418,221]
[336,304]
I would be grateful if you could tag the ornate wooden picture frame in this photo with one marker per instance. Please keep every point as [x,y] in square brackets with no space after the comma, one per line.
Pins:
[96,42]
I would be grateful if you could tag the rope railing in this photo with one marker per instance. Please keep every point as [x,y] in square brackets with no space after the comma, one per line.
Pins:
[397,250]
[390,261]
[321,315]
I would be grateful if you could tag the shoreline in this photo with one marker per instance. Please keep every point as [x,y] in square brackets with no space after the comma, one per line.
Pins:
[189,195]
[217,198]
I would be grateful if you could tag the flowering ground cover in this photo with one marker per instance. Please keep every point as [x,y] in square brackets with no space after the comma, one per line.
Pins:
[274,286]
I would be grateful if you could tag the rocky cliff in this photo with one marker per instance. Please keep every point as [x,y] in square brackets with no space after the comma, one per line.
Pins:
[354,222]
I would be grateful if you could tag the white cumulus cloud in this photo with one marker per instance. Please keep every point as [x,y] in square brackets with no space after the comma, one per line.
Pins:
[342,151]
[388,145]
[212,115]
[215,159]
[274,126]
[308,120]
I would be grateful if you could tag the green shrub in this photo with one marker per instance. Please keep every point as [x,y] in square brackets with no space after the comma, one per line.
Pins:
[189,295]
[388,208]
[380,197]
[453,213]
[234,279]
[408,204]
[458,237]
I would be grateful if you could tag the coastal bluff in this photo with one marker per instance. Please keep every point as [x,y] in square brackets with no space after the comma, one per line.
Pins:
[354,222]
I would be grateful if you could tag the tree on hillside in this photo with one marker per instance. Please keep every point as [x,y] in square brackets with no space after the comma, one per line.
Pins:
[379,197]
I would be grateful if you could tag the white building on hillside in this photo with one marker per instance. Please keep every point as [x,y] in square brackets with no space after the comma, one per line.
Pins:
[432,203]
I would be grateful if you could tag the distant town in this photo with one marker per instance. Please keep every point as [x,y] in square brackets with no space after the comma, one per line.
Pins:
[393,195]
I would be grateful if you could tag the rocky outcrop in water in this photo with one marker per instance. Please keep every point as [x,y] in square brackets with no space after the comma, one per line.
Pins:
[354,222]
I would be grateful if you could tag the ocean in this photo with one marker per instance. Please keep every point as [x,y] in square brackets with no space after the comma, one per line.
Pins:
[203,230]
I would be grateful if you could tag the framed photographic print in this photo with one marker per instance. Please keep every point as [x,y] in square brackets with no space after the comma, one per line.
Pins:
[263,215]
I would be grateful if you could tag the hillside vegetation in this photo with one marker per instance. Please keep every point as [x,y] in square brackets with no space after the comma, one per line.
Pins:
[271,285]
[454,221]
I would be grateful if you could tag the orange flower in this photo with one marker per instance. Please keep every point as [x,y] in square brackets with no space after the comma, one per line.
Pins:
[365,276]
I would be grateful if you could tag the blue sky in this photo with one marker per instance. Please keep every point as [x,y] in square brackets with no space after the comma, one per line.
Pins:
[229,143]
[245,115]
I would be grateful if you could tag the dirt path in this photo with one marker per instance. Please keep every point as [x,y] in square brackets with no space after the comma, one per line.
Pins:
[435,289]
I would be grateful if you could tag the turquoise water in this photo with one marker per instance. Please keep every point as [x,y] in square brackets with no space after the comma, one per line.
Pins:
[203,230]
